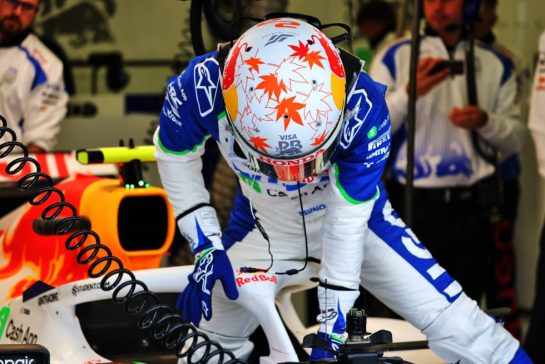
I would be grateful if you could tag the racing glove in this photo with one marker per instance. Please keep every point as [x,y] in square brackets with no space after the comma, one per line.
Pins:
[334,302]
[196,299]
[201,228]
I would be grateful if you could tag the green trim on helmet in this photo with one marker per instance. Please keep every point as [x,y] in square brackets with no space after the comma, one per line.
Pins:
[183,152]
[345,194]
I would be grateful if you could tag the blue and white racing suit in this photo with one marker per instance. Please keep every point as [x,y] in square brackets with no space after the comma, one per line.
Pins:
[32,95]
[350,225]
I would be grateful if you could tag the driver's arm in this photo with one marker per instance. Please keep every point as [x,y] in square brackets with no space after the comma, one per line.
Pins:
[355,176]
[179,142]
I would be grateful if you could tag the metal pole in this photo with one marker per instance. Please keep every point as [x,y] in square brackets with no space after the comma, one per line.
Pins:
[402,15]
[411,117]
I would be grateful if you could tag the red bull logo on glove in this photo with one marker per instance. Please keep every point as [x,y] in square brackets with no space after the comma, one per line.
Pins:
[241,281]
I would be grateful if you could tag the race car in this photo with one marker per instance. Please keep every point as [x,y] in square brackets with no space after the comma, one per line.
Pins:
[48,298]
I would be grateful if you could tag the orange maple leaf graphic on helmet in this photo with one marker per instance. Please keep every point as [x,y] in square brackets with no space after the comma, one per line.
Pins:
[254,63]
[260,143]
[301,50]
[313,58]
[271,86]
[319,140]
[287,109]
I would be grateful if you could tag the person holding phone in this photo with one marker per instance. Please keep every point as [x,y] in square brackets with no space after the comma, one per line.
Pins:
[452,180]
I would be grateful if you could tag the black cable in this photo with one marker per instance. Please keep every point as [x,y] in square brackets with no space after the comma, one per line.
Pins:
[304,231]
[289,272]
[161,322]
[195,18]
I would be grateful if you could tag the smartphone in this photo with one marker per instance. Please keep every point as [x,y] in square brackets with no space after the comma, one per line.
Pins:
[455,67]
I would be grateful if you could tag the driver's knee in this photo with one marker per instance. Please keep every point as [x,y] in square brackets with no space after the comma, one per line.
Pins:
[465,334]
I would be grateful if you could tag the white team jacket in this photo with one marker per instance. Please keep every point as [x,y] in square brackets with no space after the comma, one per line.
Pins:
[32,95]
[536,121]
[444,153]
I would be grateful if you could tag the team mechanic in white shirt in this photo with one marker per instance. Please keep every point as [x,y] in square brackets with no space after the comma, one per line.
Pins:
[535,339]
[294,122]
[452,181]
[32,95]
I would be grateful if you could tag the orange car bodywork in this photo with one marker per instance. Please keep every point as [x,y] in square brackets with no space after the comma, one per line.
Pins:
[27,257]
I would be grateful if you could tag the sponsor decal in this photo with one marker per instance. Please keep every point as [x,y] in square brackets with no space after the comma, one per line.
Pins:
[370,164]
[241,281]
[182,92]
[207,217]
[355,117]
[379,141]
[206,88]
[79,288]
[278,193]
[54,88]
[20,334]
[14,359]
[289,147]
[292,162]
[376,153]
[384,123]
[326,315]
[372,133]
[171,115]
[173,99]
[312,209]
[275,38]
[204,270]
[50,99]
[4,315]
[48,298]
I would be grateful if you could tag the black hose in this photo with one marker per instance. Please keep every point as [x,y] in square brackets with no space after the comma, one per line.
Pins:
[195,18]
[161,322]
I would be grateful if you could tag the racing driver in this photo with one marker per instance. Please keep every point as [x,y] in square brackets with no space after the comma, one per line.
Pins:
[308,134]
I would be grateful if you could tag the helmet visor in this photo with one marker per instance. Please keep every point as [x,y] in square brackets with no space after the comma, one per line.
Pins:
[291,169]
[296,169]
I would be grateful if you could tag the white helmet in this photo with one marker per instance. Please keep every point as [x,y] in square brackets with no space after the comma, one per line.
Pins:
[284,91]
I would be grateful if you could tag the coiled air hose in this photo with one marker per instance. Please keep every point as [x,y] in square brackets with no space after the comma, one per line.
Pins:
[162,323]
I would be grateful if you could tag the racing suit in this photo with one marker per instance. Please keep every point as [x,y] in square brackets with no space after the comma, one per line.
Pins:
[350,224]
[32,95]
[454,188]
[444,154]
[535,339]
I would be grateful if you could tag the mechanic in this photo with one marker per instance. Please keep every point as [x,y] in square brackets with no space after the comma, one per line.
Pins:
[455,190]
[32,94]
[308,135]
[535,338]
